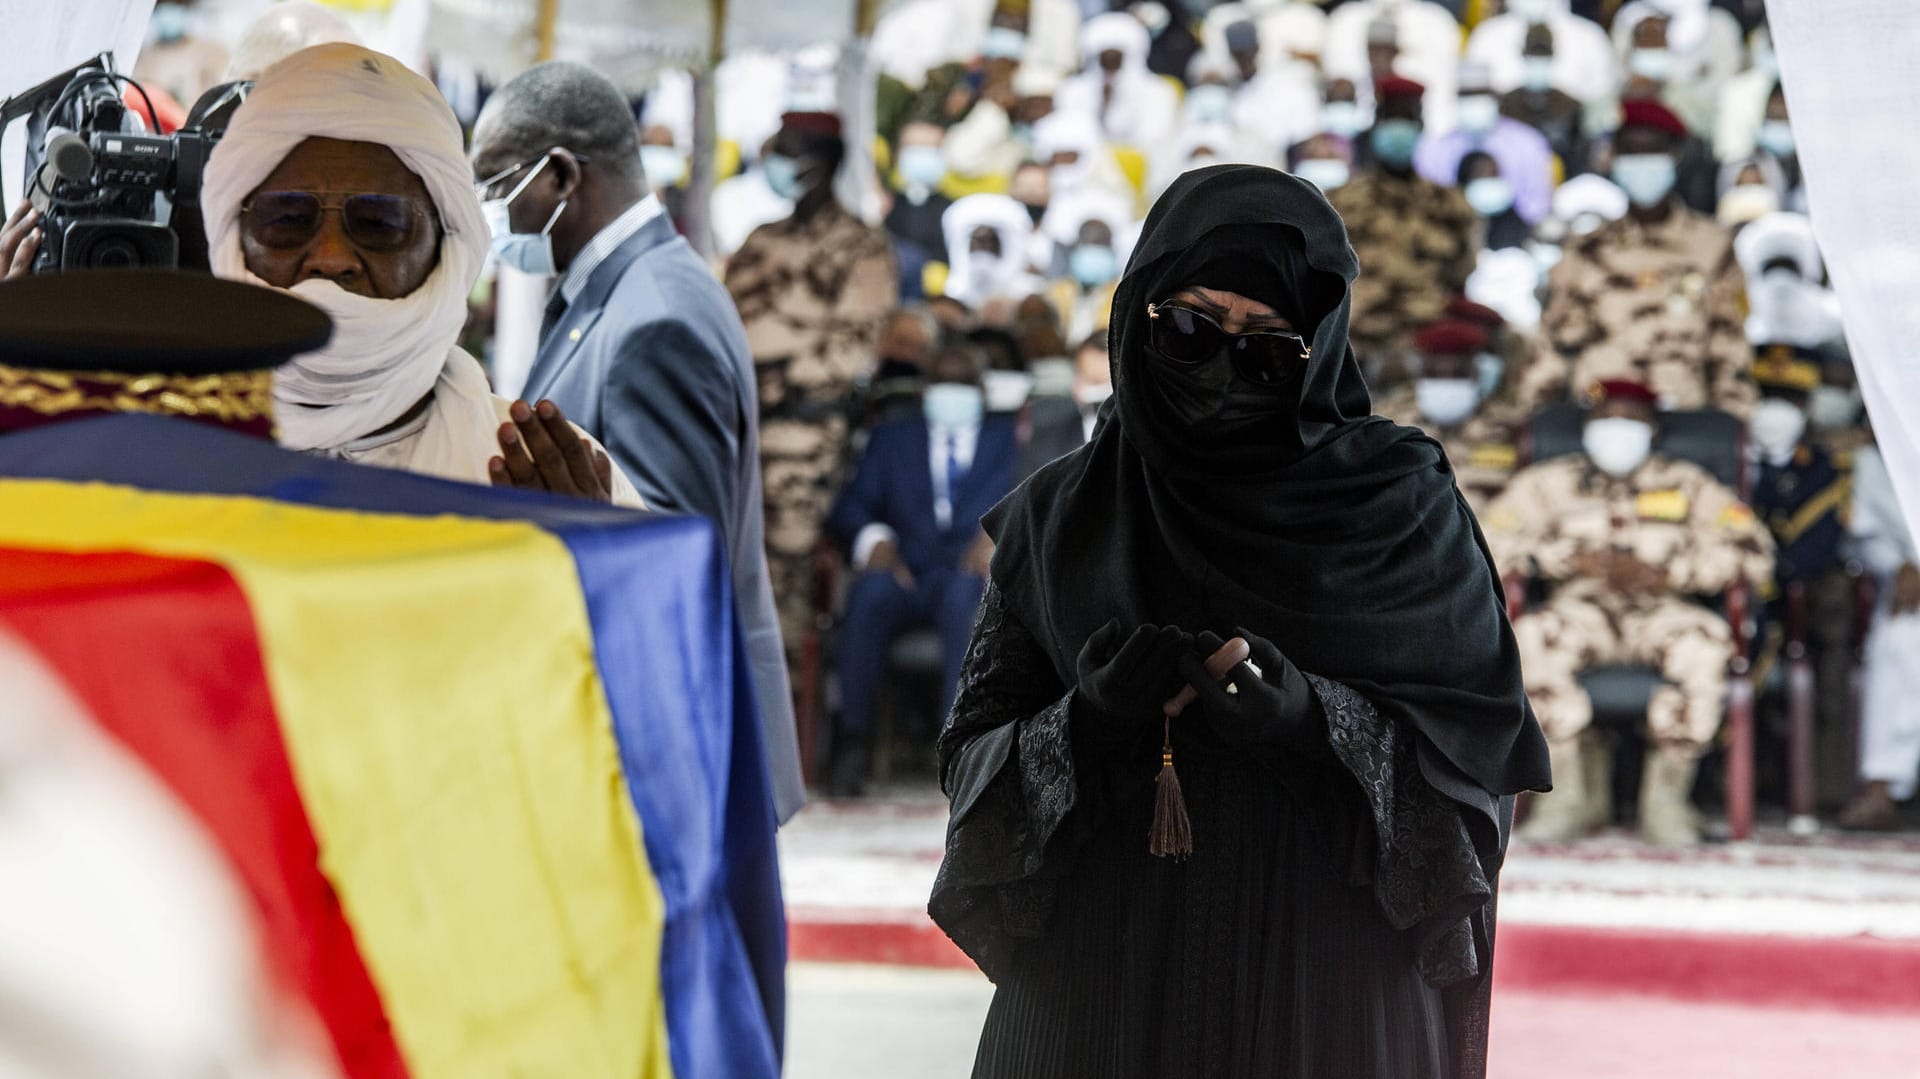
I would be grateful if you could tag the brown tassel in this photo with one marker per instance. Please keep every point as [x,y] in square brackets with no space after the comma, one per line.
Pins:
[1172,835]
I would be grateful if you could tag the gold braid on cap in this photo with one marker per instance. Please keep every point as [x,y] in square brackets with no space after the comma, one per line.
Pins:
[233,397]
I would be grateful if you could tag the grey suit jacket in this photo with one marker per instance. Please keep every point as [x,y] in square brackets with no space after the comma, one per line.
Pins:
[652,360]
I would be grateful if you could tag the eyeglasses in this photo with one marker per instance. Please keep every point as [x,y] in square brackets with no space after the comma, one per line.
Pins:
[486,188]
[290,219]
[1271,358]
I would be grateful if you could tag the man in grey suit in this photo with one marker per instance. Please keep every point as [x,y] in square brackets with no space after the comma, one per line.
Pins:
[640,344]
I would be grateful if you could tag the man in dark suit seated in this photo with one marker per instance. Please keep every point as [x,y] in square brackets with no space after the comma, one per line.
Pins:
[640,345]
[911,521]
[1061,425]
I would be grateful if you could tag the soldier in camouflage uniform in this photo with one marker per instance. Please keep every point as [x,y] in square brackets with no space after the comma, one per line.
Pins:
[1626,539]
[1655,297]
[813,291]
[1416,241]
[1451,403]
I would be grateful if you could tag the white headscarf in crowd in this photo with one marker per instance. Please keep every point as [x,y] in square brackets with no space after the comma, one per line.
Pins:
[1142,106]
[1786,305]
[971,277]
[385,354]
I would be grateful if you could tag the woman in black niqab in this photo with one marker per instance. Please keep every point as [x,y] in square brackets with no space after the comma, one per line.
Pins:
[1348,811]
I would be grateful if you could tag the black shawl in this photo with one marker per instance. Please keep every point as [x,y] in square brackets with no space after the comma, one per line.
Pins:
[1343,540]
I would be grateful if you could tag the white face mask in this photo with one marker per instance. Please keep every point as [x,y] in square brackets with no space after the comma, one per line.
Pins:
[1655,64]
[1478,113]
[1007,391]
[1446,401]
[1209,103]
[1617,445]
[1775,137]
[1776,427]
[663,166]
[1092,395]
[1536,73]
[1747,202]
[1342,118]
[952,405]
[528,252]
[1832,407]
[1325,173]
[1646,178]
[1488,370]
[1490,196]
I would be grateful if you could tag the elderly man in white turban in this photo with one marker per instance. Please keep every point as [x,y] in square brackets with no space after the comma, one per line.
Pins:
[344,180]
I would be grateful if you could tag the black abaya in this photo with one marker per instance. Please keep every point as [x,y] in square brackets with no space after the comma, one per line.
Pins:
[1336,915]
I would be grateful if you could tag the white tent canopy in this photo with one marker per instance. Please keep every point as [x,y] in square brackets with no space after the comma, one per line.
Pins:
[630,39]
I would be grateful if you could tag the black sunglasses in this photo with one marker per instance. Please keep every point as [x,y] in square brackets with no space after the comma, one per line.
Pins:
[1272,358]
[289,220]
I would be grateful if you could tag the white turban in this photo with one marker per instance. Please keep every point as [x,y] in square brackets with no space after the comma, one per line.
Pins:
[1777,236]
[974,278]
[386,355]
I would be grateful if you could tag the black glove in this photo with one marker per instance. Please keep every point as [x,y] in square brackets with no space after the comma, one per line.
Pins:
[1124,687]
[1271,708]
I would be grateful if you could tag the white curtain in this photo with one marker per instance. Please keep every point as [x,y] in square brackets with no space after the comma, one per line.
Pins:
[1851,69]
[40,41]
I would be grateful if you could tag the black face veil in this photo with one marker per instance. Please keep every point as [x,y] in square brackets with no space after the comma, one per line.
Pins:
[1335,533]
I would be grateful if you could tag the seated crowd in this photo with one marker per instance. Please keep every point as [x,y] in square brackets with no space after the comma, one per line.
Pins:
[1586,270]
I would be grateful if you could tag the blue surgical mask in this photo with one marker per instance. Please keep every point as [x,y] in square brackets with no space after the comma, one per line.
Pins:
[1536,73]
[1488,370]
[528,252]
[1831,408]
[953,405]
[1446,401]
[1775,137]
[1092,264]
[1210,103]
[1490,196]
[1394,142]
[170,22]
[1655,64]
[1342,118]
[1646,178]
[1003,43]
[1478,113]
[783,175]
[1325,173]
[663,166]
[922,166]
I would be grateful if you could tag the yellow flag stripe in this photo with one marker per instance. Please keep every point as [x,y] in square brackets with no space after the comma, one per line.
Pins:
[451,739]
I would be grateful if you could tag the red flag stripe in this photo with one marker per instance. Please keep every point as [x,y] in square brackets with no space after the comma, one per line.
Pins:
[164,654]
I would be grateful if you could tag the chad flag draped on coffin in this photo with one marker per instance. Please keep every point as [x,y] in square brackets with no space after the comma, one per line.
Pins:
[487,764]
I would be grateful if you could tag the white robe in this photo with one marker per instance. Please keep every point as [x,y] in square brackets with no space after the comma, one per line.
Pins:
[1890,710]
[457,434]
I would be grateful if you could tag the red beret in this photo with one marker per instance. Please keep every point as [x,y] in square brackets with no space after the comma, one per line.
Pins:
[1450,337]
[1393,86]
[1645,112]
[819,124]
[1621,389]
[1479,314]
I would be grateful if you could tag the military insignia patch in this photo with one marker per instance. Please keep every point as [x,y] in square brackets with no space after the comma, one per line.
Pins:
[1668,505]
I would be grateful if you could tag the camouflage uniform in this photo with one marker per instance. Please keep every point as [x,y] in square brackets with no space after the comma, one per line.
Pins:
[1483,450]
[813,295]
[1659,304]
[1668,514]
[1416,242]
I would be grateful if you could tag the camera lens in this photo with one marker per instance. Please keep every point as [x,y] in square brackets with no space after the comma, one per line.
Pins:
[115,254]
